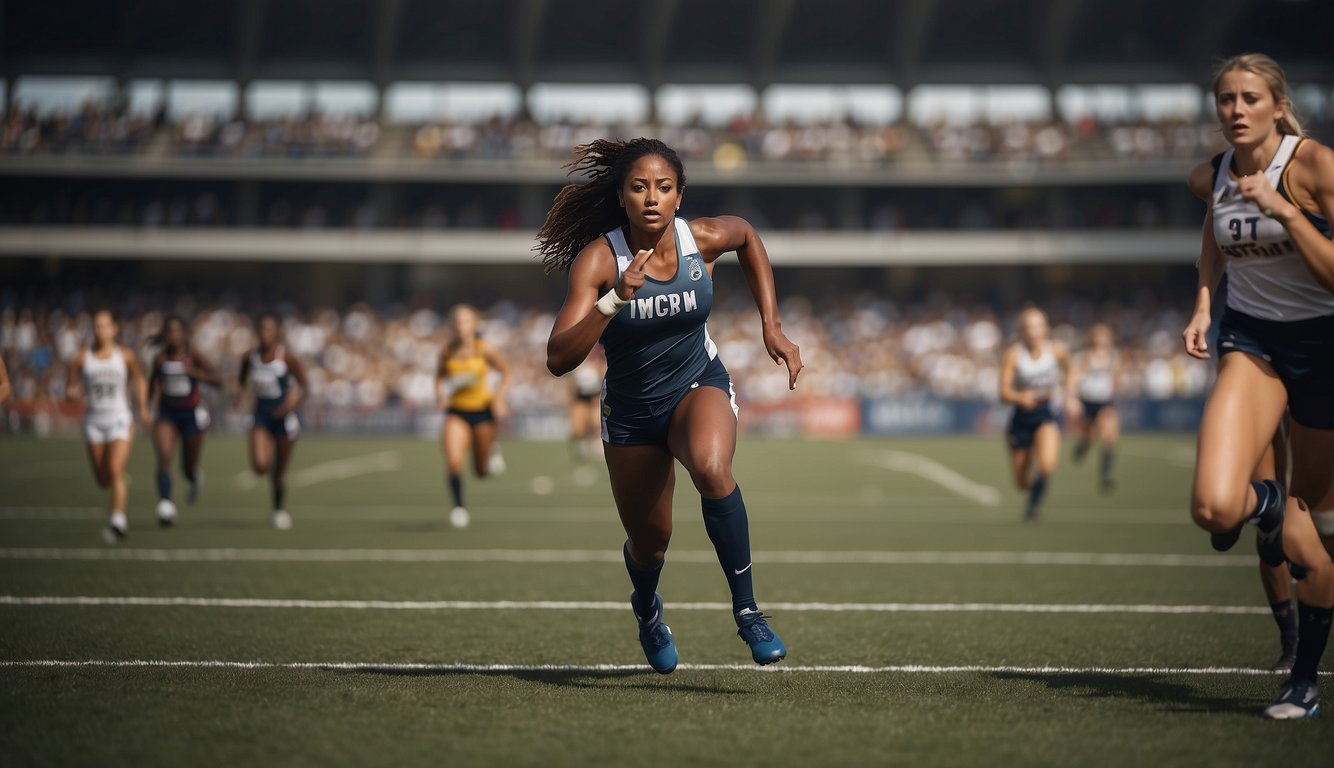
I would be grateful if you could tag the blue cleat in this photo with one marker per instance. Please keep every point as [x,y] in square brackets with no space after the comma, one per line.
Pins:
[765,646]
[656,637]
[1299,700]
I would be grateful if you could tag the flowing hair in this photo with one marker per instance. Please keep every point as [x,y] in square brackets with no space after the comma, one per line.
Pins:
[1269,70]
[583,212]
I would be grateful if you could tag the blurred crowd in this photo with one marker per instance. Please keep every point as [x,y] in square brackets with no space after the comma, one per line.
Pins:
[362,358]
[744,140]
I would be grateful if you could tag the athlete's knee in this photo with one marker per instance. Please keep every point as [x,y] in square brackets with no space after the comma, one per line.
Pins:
[648,546]
[1214,514]
[713,477]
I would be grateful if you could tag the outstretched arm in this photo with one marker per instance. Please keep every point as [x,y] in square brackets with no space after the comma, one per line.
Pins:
[721,234]
[497,361]
[581,319]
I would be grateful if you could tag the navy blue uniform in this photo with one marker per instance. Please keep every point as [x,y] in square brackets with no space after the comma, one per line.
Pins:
[658,347]
[271,381]
[179,401]
[1042,375]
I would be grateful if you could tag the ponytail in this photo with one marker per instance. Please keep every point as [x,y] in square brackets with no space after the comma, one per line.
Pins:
[583,212]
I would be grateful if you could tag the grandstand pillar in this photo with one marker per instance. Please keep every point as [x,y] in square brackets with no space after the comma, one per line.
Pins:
[850,210]
[247,203]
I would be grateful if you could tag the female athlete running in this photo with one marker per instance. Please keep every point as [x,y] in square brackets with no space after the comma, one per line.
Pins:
[641,282]
[177,373]
[463,382]
[1095,374]
[1035,375]
[271,371]
[103,376]
[1270,196]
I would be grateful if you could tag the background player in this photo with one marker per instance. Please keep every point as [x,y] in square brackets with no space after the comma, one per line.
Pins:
[1035,375]
[4,382]
[641,282]
[463,381]
[586,408]
[103,376]
[271,372]
[177,373]
[1270,199]
[1095,377]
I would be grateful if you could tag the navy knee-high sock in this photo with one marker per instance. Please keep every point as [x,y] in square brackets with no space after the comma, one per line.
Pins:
[725,520]
[164,485]
[279,491]
[1036,491]
[456,489]
[1285,618]
[645,581]
[1312,635]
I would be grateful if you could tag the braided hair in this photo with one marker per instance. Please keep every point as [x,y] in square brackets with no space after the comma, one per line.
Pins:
[581,213]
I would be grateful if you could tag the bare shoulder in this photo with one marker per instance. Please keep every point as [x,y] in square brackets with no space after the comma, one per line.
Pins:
[595,264]
[1201,180]
[719,234]
[1313,167]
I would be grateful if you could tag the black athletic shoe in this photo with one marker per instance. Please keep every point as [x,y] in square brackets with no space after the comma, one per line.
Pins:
[1269,529]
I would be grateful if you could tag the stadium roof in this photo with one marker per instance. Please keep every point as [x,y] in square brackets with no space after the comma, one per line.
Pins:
[904,42]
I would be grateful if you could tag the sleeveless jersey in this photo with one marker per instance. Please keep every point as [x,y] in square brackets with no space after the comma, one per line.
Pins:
[1266,276]
[271,380]
[1041,375]
[1098,376]
[105,383]
[469,381]
[179,390]
[659,344]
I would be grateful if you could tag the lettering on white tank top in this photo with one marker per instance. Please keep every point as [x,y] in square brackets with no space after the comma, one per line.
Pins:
[1041,374]
[1266,275]
[105,383]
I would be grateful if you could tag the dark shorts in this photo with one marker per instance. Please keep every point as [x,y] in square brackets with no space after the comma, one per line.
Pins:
[286,427]
[187,421]
[473,418]
[1092,408]
[1301,352]
[640,424]
[1023,426]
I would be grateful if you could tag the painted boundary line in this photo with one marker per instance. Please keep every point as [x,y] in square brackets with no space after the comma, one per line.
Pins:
[373,667]
[596,605]
[786,557]
[935,472]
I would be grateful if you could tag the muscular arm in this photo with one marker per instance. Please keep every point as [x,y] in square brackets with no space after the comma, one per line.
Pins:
[241,379]
[579,324]
[137,382]
[1210,265]
[74,379]
[1008,394]
[497,361]
[295,395]
[204,371]
[153,385]
[719,235]
[1312,183]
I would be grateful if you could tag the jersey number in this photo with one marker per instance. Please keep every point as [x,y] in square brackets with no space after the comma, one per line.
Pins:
[1235,226]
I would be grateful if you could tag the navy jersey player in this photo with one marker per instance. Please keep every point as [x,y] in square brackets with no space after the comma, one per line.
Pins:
[174,382]
[271,372]
[1034,379]
[1095,382]
[1270,198]
[641,282]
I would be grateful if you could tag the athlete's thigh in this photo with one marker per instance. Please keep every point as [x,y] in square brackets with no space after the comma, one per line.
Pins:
[261,447]
[1047,446]
[282,453]
[1240,419]
[1313,467]
[702,433]
[1109,424]
[642,480]
[97,458]
[483,437]
[117,456]
[164,440]
[457,436]
[1021,465]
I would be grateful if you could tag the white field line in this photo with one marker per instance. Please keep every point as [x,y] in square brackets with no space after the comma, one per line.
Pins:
[597,605]
[1179,456]
[934,471]
[340,469]
[789,557]
[593,669]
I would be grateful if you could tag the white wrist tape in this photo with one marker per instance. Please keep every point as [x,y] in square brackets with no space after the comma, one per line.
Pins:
[610,303]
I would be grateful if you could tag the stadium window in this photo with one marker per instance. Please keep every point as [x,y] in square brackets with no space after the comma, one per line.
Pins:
[277,99]
[708,104]
[145,97]
[47,94]
[965,105]
[1167,102]
[344,97]
[877,105]
[607,102]
[208,98]
[412,102]
[1103,103]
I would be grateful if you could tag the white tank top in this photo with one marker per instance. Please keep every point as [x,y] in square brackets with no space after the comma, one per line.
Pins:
[1098,376]
[105,383]
[1266,276]
[1041,374]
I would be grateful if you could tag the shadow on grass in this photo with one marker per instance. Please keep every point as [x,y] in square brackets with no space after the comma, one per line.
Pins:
[610,680]
[1156,690]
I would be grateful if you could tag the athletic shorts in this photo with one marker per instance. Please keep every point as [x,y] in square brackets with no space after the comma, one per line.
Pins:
[1093,407]
[286,427]
[1301,352]
[108,427]
[1023,426]
[647,424]
[473,418]
[188,421]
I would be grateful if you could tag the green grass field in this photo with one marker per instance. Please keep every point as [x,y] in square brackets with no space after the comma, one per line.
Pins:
[923,626]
